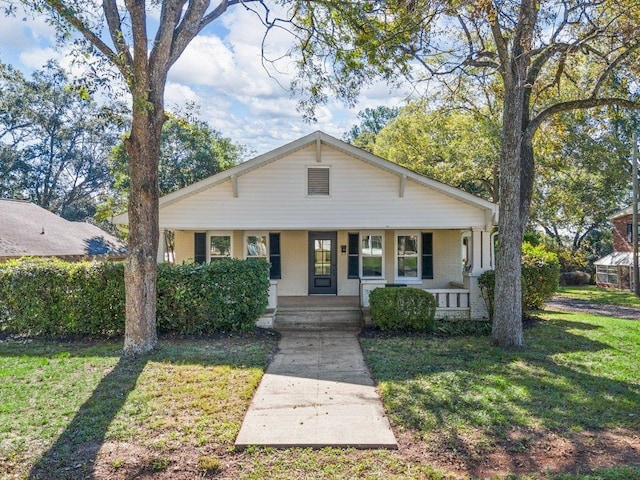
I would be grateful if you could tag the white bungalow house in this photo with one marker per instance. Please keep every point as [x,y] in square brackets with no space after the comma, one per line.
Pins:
[335,220]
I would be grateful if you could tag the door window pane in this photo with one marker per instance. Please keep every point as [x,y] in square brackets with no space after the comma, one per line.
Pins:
[322,263]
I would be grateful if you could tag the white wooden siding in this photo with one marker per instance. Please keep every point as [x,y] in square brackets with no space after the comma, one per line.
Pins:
[363,196]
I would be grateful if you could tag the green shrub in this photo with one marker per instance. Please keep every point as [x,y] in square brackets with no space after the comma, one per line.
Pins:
[227,295]
[51,297]
[540,272]
[402,309]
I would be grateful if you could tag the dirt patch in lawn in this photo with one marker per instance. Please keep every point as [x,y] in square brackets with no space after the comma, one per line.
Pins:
[525,451]
[460,456]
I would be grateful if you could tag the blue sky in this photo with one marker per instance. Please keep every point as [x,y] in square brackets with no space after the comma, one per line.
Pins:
[221,71]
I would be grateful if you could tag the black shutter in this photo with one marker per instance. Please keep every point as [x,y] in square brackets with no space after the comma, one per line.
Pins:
[427,255]
[275,272]
[200,247]
[630,232]
[354,257]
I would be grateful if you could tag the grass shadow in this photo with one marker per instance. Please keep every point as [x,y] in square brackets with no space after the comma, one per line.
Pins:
[94,397]
[571,378]
[75,450]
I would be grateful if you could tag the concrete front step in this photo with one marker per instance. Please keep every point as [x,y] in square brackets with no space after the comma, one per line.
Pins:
[318,319]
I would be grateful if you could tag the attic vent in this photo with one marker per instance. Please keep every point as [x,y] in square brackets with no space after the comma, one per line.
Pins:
[318,181]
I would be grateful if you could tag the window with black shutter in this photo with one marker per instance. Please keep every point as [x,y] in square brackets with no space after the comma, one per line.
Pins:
[427,255]
[354,257]
[200,247]
[274,256]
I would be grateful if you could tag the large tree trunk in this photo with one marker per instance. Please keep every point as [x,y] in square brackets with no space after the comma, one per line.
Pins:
[143,148]
[516,179]
[507,316]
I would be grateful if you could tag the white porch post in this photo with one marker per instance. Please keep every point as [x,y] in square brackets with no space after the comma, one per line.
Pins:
[480,262]
[161,247]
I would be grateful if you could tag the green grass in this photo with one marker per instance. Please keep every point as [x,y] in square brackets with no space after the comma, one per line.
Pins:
[578,373]
[597,295]
[62,398]
[75,410]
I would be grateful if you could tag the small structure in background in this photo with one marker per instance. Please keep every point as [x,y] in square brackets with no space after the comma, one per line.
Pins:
[27,230]
[616,269]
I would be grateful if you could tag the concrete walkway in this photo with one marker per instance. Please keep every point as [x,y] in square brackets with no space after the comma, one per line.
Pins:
[317,392]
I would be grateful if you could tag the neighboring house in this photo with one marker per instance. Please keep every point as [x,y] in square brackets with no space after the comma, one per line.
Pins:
[27,230]
[615,270]
[335,220]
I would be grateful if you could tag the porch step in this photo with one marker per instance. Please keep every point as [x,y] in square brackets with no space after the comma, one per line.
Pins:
[318,318]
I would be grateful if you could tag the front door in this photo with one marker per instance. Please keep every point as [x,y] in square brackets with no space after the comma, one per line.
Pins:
[322,263]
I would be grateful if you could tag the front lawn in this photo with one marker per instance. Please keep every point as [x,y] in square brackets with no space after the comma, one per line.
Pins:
[603,296]
[461,408]
[569,401]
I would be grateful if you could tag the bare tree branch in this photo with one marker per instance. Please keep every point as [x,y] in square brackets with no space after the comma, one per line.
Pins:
[76,22]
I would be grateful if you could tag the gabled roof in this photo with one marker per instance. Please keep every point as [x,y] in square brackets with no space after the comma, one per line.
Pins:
[320,138]
[623,213]
[29,230]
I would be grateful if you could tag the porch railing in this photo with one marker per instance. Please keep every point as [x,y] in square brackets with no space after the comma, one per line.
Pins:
[451,302]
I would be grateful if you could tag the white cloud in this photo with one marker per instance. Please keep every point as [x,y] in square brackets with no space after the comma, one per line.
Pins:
[222,71]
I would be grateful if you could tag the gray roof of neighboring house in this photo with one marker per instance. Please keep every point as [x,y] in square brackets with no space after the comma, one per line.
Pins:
[29,230]
[622,213]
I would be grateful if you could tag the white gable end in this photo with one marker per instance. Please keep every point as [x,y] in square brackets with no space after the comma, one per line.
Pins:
[362,195]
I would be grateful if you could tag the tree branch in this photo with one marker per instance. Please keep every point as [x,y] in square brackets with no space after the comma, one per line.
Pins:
[70,17]
[114,22]
[577,105]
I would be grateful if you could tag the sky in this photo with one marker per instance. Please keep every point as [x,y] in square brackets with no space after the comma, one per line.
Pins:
[221,71]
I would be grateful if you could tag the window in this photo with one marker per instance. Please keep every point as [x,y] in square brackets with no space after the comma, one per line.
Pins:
[256,246]
[318,181]
[371,252]
[630,232]
[220,247]
[407,256]
[607,274]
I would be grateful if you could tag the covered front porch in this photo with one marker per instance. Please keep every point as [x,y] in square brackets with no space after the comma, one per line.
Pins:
[352,311]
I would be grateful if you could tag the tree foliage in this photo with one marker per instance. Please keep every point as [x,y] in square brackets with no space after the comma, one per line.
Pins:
[138,42]
[458,147]
[54,143]
[190,150]
[372,121]
[535,52]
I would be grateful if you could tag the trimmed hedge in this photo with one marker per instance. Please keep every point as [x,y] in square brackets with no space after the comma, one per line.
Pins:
[402,309]
[51,297]
[540,272]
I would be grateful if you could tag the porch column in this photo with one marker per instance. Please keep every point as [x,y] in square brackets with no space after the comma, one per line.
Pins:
[161,247]
[480,262]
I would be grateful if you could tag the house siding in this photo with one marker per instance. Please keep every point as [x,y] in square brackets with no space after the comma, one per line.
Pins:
[275,196]
[294,248]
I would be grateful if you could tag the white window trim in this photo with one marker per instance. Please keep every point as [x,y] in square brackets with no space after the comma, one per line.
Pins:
[222,233]
[306,176]
[408,280]
[255,234]
[371,233]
